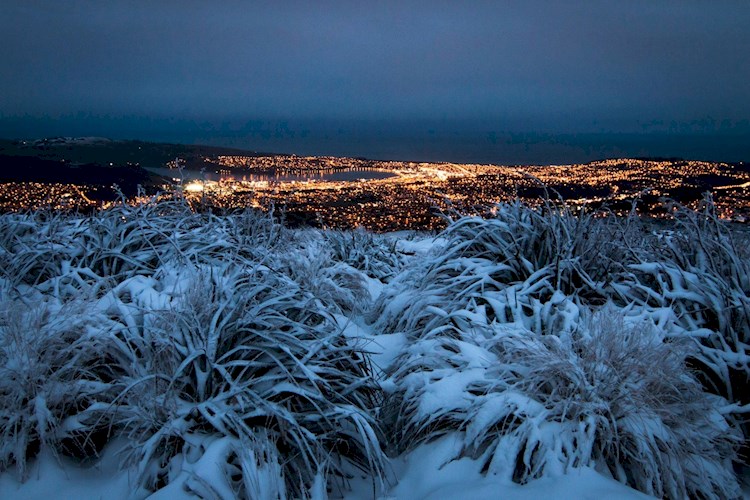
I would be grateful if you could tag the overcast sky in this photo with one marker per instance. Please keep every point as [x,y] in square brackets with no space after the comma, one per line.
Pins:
[526,65]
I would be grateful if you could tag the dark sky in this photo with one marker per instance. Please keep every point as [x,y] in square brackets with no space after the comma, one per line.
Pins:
[520,66]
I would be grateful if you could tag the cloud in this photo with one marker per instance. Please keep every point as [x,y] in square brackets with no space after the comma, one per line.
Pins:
[533,62]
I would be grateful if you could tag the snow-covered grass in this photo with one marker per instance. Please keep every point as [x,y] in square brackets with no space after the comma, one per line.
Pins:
[228,356]
[44,375]
[373,254]
[611,396]
[700,272]
[189,335]
[241,365]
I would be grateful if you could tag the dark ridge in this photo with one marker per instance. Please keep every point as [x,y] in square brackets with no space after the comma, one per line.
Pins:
[105,151]
[32,169]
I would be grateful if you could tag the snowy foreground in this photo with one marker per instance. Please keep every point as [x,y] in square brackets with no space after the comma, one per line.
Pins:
[151,351]
[421,475]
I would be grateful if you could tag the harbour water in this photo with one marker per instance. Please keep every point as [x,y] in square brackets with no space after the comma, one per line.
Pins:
[315,175]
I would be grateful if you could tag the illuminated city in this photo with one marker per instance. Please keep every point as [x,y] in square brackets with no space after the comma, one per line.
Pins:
[387,195]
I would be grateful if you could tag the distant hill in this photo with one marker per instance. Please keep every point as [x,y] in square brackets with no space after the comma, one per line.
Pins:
[33,169]
[102,151]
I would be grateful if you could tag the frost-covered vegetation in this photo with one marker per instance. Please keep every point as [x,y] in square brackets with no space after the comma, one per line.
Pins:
[236,358]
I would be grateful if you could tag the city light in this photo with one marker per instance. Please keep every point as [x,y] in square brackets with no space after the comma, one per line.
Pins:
[392,195]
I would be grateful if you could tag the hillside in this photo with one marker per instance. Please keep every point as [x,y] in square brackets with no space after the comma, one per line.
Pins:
[21,169]
[96,164]
[102,151]
[536,354]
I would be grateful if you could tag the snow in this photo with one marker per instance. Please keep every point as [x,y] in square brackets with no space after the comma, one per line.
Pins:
[420,246]
[62,479]
[434,331]
[426,473]
[76,141]
[429,472]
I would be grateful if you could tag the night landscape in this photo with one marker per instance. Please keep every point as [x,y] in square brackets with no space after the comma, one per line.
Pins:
[391,250]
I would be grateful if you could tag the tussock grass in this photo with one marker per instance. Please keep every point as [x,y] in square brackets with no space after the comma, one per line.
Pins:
[611,396]
[198,337]
[546,339]
[500,345]
[374,254]
[45,377]
[241,353]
